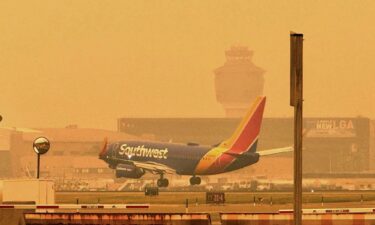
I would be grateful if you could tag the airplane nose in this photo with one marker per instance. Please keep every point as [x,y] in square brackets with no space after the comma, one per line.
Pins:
[103,152]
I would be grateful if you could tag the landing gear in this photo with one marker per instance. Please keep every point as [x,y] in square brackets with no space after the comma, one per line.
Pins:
[195,180]
[162,182]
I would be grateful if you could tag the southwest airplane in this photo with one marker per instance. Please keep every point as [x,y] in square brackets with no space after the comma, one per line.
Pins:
[132,159]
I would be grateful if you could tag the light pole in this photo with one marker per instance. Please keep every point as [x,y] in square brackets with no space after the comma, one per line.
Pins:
[41,146]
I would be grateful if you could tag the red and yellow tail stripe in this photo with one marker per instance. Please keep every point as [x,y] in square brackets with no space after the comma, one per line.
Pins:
[246,134]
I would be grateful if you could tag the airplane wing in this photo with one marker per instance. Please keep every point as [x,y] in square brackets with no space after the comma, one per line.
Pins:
[153,167]
[275,151]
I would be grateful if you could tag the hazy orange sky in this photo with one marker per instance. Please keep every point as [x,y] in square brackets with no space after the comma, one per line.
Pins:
[90,62]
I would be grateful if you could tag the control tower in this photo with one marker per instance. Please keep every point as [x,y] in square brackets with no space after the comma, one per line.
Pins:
[238,82]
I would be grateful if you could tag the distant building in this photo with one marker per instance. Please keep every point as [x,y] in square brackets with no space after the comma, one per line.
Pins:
[73,153]
[238,82]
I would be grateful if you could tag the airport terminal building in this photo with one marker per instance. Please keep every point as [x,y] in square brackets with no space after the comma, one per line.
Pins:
[332,146]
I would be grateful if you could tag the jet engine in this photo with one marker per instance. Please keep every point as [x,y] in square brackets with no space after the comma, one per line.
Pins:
[129,171]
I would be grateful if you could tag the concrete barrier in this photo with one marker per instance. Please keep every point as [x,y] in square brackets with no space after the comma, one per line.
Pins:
[117,218]
[75,206]
[307,219]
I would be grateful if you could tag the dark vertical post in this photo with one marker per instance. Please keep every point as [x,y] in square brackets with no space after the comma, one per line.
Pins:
[37,166]
[296,100]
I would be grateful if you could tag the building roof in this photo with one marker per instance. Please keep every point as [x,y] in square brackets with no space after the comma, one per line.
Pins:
[78,135]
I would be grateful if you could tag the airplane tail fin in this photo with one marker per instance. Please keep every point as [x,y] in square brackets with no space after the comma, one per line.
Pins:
[245,137]
[244,140]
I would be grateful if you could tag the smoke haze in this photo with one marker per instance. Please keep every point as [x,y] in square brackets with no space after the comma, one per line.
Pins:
[90,62]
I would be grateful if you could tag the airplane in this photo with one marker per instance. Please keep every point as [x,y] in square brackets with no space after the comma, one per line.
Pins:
[132,159]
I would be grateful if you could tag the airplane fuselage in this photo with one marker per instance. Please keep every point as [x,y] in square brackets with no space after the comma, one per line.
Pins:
[183,159]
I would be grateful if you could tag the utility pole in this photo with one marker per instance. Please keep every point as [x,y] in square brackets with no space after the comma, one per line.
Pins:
[296,100]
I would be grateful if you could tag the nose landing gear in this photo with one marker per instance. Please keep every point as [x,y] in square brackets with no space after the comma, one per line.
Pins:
[195,180]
